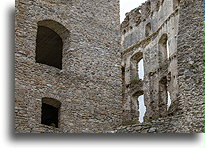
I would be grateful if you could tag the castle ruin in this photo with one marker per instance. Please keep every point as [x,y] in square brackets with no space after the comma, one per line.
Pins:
[77,69]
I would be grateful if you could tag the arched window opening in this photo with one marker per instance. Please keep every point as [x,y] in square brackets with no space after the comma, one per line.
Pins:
[163,48]
[49,47]
[169,101]
[142,108]
[148,29]
[50,40]
[137,67]
[50,112]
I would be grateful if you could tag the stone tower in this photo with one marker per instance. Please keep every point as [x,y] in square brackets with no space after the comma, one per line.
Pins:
[68,66]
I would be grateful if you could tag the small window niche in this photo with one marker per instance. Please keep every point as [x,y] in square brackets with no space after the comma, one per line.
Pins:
[50,112]
[148,29]
[163,48]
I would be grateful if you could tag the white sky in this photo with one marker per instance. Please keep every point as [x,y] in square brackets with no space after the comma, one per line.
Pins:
[128,5]
[141,69]
[142,107]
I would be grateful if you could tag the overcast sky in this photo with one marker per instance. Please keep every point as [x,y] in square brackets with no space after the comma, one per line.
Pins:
[127,5]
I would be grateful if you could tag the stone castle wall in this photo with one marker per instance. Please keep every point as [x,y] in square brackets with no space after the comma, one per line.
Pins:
[91,65]
[160,67]
[182,23]
[97,87]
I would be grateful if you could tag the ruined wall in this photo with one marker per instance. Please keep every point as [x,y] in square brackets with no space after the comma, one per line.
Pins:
[172,51]
[89,84]
[157,46]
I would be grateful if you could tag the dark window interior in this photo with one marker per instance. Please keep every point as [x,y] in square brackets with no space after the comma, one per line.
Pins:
[48,47]
[49,115]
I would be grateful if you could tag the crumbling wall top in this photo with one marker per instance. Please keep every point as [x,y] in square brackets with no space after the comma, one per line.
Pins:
[140,14]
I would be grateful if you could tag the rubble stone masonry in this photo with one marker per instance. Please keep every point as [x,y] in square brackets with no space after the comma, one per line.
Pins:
[89,84]
[76,67]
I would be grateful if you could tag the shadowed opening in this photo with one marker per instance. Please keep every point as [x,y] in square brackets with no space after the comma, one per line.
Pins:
[49,47]
[50,112]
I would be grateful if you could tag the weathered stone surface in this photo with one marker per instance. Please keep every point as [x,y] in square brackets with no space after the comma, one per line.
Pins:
[181,74]
[160,65]
[99,84]
[90,71]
